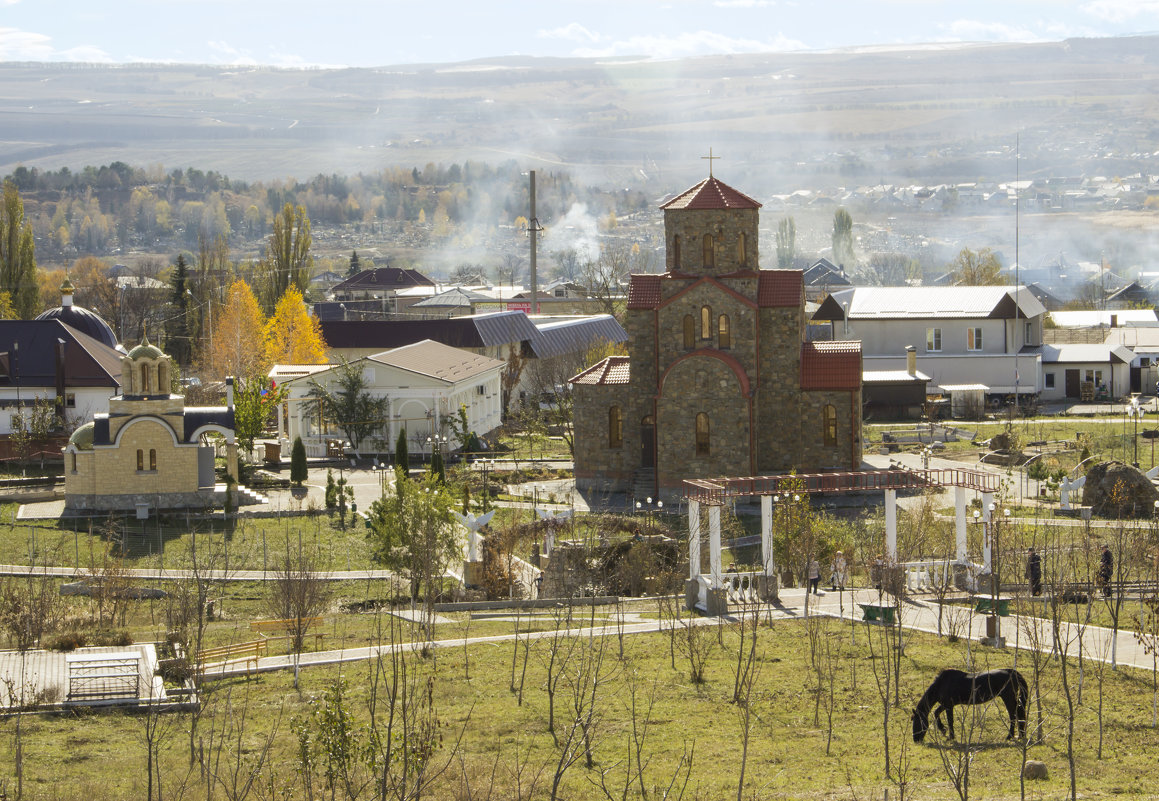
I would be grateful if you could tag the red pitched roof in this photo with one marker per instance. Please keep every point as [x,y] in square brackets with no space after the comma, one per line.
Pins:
[612,370]
[831,365]
[644,291]
[780,288]
[711,194]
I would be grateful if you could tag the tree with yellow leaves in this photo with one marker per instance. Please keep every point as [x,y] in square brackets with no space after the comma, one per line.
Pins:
[292,336]
[235,340]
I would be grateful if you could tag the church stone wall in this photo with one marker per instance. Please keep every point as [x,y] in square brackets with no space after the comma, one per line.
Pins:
[846,455]
[779,431]
[725,225]
[701,384]
[741,324]
[597,465]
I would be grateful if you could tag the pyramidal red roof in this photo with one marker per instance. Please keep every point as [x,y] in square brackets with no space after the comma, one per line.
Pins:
[711,194]
[831,365]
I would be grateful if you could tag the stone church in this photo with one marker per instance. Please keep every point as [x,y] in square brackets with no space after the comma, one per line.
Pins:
[720,379]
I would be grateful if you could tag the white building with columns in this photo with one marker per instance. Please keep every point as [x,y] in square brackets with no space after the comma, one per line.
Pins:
[427,383]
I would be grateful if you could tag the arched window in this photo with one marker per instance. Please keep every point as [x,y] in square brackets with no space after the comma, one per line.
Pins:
[152,458]
[702,435]
[829,420]
[615,427]
[676,252]
[706,322]
[742,256]
[144,379]
[140,460]
[689,331]
[709,251]
[724,332]
[74,462]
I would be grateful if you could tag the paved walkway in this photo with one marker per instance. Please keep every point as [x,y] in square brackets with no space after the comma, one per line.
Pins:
[159,574]
[917,614]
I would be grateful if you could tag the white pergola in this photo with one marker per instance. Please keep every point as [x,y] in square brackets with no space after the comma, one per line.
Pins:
[714,493]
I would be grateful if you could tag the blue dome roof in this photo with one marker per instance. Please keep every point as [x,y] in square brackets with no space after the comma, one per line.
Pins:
[82,320]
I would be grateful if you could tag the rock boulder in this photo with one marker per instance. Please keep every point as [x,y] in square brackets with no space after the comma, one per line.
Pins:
[1033,769]
[1116,489]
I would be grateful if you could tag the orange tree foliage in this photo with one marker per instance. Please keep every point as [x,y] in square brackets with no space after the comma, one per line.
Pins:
[292,336]
[235,346]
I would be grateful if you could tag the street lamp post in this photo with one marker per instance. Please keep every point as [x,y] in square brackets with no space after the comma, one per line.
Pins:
[996,573]
[1135,410]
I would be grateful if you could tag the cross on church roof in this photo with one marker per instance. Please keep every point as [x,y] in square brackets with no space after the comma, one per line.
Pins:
[710,158]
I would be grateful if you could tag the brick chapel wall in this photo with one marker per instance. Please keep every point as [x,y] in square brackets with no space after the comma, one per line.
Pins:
[779,429]
[598,465]
[83,479]
[116,468]
[725,225]
[701,384]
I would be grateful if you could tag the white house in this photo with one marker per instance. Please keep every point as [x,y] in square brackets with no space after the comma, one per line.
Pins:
[66,356]
[989,335]
[1066,367]
[427,383]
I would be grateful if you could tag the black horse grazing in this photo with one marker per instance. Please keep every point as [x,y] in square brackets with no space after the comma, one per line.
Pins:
[953,687]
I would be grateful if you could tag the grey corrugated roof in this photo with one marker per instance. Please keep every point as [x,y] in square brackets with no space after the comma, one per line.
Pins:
[576,335]
[948,302]
[501,328]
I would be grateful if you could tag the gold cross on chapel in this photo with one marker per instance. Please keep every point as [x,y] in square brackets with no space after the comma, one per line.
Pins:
[710,158]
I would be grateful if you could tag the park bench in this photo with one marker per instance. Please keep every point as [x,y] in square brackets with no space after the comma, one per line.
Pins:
[881,612]
[249,652]
[984,605]
[287,626]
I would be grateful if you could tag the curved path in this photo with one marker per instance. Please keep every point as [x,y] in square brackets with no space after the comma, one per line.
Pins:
[917,614]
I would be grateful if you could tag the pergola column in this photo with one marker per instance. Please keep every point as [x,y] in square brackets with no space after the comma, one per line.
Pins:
[960,523]
[693,540]
[891,524]
[714,545]
[767,535]
[987,499]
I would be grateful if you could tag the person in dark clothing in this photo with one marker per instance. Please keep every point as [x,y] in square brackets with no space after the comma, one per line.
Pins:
[1106,570]
[1034,571]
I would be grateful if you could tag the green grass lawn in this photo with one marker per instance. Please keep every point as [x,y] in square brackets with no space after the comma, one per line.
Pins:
[505,745]
[252,543]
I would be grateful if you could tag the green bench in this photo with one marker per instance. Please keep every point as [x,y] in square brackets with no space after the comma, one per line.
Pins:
[985,605]
[874,612]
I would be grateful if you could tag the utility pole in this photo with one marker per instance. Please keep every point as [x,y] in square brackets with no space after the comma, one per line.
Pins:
[533,229]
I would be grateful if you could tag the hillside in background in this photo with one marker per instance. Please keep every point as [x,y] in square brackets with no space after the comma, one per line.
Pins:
[782,121]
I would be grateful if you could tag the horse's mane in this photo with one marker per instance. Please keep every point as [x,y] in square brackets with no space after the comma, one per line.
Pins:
[930,697]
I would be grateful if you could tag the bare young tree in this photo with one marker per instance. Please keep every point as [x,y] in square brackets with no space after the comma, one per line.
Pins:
[631,774]
[586,674]
[298,592]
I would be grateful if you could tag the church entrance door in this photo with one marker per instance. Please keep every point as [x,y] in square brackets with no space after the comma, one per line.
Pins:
[648,441]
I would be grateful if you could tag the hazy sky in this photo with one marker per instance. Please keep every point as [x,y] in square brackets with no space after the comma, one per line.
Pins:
[364,33]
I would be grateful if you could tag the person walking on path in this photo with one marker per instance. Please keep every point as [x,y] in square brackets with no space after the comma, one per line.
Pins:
[1106,570]
[814,576]
[1034,571]
[840,572]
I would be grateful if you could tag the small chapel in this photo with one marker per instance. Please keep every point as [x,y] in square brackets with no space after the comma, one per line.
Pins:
[720,379]
[149,452]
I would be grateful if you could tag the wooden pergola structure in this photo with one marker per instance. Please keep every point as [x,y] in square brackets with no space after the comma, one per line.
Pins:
[716,492]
